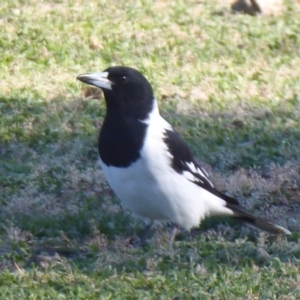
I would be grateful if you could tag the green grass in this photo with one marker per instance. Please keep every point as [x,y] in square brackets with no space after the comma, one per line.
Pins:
[229,83]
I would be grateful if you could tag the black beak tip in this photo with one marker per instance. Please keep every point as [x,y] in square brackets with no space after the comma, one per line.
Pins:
[78,77]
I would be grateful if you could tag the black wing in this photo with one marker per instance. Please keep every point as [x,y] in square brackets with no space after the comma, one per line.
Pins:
[184,163]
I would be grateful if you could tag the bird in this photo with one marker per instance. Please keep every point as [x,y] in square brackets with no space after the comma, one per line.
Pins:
[148,164]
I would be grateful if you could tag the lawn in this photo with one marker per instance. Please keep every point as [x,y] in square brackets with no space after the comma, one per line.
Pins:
[229,83]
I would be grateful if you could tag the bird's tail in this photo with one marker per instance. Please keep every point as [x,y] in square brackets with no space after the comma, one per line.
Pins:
[255,221]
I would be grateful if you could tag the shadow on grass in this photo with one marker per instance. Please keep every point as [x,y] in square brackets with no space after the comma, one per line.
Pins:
[49,153]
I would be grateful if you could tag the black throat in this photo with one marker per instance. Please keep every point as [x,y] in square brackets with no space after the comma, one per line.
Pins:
[121,140]
[122,134]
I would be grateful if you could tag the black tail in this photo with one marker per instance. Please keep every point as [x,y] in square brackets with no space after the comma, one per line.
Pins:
[259,223]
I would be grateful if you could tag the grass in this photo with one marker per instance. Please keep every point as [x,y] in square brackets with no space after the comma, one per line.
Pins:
[228,83]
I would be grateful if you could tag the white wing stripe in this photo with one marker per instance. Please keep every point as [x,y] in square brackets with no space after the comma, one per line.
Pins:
[195,169]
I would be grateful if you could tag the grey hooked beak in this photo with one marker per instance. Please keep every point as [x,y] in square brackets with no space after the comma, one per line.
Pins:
[98,79]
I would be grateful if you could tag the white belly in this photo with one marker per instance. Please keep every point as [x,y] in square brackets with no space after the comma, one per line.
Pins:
[171,199]
[154,194]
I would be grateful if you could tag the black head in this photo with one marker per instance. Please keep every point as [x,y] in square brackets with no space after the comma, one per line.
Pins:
[127,91]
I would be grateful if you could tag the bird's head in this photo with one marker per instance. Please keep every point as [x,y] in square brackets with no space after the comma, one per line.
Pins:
[126,91]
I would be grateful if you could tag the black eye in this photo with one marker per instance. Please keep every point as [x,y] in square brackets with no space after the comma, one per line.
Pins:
[122,79]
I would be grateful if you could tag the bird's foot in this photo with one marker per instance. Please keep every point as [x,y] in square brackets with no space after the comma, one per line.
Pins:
[141,241]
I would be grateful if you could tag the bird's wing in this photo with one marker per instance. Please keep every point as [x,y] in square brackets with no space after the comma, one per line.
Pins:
[184,163]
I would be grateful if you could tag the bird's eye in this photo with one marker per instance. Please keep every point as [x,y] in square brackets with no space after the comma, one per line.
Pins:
[122,79]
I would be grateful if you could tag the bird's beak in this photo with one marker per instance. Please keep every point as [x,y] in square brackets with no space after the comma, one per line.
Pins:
[97,79]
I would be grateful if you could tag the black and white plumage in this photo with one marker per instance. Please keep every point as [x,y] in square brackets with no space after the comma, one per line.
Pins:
[147,163]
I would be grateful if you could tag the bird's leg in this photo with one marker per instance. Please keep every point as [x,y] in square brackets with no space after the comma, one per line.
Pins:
[174,232]
[145,233]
